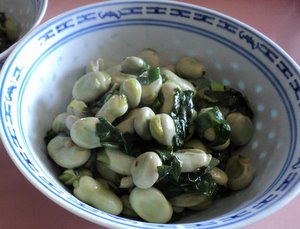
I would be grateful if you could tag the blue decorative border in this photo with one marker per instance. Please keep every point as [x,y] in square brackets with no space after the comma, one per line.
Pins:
[198,31]
[202,32]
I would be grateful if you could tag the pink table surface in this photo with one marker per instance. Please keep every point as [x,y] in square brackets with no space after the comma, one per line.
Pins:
[23,206]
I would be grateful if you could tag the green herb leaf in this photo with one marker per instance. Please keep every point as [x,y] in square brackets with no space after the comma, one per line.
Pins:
[171,168]
[182,115]
[194,182]
[110,136]
[149,76]
[212,120]
[222,96]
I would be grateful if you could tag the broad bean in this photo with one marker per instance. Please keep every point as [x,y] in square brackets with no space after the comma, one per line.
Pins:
[91,85]
[192,159]
[115,107]
[84,133]
[168,90]
[107,173]
[162,129]
[117,161]
[59,123]
[189,200]
[144,169]
[239,171]
[241,128]
[133,91]
[151,205]
[134,65]
[77,108]
[141,122]
[150,91]
[92,192]
[182,83]
[66,154]
[189,67]
[150,56]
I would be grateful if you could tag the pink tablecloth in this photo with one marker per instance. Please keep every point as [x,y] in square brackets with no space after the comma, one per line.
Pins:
[23,206]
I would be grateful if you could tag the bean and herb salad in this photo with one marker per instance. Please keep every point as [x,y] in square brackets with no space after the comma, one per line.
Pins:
[8,32]
[150,142]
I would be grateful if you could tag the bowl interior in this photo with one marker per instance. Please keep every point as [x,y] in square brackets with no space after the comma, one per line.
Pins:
[34,89]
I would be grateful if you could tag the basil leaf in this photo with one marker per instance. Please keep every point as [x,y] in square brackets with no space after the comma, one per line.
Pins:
[171,168]
[207,186]
[182,115]
[194,182]
[163,171]
[111,136]
[149,76]
[212,119]
[222,96]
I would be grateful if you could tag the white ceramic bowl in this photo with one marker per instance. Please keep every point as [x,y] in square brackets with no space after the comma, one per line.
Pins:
[36,87]
[26,14]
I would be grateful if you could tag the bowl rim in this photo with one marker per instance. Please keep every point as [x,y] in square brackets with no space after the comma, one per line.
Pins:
[259,215]
[39,18]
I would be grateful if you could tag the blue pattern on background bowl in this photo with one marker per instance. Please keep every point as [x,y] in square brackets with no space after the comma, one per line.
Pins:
[36,87]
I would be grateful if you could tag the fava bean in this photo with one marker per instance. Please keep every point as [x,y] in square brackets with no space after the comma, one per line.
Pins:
[192,159]
[151,205]
[119,77]
[188,200]
[133,91]
[162,129]
[126,126]
[134,65]
[239,171]
[83,133]
[77,108]
[141,122]
[115,107]
[241,128]
[66,154]
[202,205]
[107,173]
[150,56]
[168,91]
[189,67]
[219,176]
[59,123]
[90,86]
[126,182]
[182,83]
[70,120]
[108,185]
[150,91]
[92,192]
[116,160]
[144,169]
